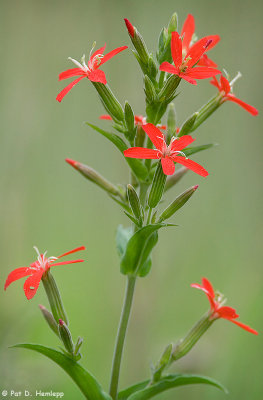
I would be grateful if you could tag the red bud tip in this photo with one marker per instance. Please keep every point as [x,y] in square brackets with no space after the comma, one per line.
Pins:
[129,26]
[41,307]
[61,322]
[71,162]
[195,187]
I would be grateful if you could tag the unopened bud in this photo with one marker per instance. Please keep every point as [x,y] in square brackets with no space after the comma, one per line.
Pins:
[164,48]
[157,188]
[109,101]
[152,68]
[188,125]
[169,88]
[138,42]
[173,179]
[129,27]
[94,177]
[149,90]
[204,112]
[172,27]
[65,336]
[162,363]
[177,203]
[129,117]
[49,318]
[134,202]
[140,137]
[171,123]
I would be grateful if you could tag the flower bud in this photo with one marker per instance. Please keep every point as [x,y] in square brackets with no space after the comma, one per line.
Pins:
[109,101]
[172,27]
[169,88]
[188,125]
[173,179]
[49,318]
[149,90]
[129,117]
[134,202]
[177,203]
[152,68]
[54,297]
[171,123]
[65,336]
[140,137]
[162,363]
[138,42]
[130,27]
[204,112]
[78,346]
[164,47]
[94,177]
[157,188]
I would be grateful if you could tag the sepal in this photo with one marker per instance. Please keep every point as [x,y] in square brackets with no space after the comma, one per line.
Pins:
[49,319]
[188,125]
[109,101]
[157,187]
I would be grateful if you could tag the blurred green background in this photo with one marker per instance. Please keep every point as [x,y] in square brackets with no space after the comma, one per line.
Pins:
[44,202]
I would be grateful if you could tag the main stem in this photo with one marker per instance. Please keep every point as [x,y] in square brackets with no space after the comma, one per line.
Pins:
[125,315]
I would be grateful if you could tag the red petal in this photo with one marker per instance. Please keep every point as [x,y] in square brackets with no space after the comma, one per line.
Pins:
[97,76]
[112,54]
[73,251]
[227,312]
[176,49]
[206,62]
[18,273]
[106,117]
[202,72]
[215,82]
[187,31]
[196,51]
[97,52]
[171,69]
[70,73]
[225,84]
[32,283]
[65,263]
[208,294]
[155,135]
[208,286]
[141,152]
[197,168]
[182,142]
[68,88]
[168,166]
[243,326]
[252,110]
[188,79]
[164,127]
[215,39]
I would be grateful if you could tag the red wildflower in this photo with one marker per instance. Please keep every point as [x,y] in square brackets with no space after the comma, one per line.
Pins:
[168,154]
[225,88]
[187,34]
[217,308]
[130,27]
[36,270]
[90,71]
[184,67]
[139,120]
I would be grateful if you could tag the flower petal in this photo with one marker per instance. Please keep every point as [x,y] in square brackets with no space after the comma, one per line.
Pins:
[252,110]
[171,69]
[208,286]
[64,263]
[70,73]
[225,86]
[97,76]
[32,283]
[196,51]
[100,51]
[195,167]
[206,62]
[168,166]
[187,31]
[106,116]
[155,135]
[182,142]
[215,83]
[214,40]
[188,79]
[18,273]
[68,88]
[73,251]
[227,312]
[141,152]
[207,292]
[176,49]
[243,326]
[202,72]
[112,54]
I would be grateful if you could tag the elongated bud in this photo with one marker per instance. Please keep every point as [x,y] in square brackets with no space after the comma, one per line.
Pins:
[164,48]
[65,336]
[173,179]
[169,88]
[140,137]
[177,203]
[185,345]
[172,27]
[162,363]
[94,177]
[157,188]
[152,68]
[109,101]
[54,297]
[78,345]
[134,202]
[204,112]
[138,42]
[50,319]
[129,117]
[171,123]
[188,125]
[149,90]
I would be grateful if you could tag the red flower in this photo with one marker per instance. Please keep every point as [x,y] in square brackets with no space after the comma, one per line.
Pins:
[90,71]
[36,270]
[168,154]
[187,34]
[225,87]
[139,120]
[184,66]
[217,310]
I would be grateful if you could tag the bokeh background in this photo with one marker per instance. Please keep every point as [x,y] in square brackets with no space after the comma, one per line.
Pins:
[44,202]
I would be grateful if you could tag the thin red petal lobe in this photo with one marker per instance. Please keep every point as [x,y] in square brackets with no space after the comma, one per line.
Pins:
[225,86]
[168,166]
[182,142]
[65,263]
[245,327]
[208,286]
[72,251]
[171,69]
[252,110]
[195,167]
[202,72]
[63,92]
[188,31]
[155,135]
[106,116]
[111,54]
[70,73]
[176,49]
[18,273]
[141,152]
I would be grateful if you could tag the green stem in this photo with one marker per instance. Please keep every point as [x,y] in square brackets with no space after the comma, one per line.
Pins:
[121,336]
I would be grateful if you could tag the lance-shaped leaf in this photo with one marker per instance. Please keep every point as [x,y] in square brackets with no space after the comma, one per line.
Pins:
[137,166]
[138,249]
[83,379]
[170,382]
[123,235]
[124,394]
[196,149]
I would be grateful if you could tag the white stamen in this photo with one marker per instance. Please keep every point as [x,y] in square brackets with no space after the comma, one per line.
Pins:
[76,62]
[238,75]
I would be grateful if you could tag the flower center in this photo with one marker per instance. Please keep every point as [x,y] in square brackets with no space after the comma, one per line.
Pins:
[42,261]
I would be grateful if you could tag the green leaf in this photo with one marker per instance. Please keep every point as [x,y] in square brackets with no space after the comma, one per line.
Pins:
[138,249]
[196,149]
[123,235]
[83,379]
[170,382]
[146,260]
[137,166]
[124,394]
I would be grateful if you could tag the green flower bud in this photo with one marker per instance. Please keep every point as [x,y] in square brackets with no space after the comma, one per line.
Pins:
[162,363]
[140,46]
[204,112]
[157,188]
[134,202]
[149,90]
[50,319]
[129,117]
[152,68]
[172,27]
[188,125]
[65,336]
[140,137]
[171,123]
[169,88]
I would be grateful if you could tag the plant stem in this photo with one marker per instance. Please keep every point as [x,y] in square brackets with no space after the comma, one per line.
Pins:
[126,310]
